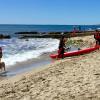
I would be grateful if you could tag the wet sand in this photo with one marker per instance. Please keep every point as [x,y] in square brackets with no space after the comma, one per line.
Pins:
[73,78]
[25,66]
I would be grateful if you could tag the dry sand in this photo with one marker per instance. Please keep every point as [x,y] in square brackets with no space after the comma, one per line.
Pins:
[73,78]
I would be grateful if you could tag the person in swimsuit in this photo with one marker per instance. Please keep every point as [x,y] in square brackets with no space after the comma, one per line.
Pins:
[61,47]
[0,53]
[97,37]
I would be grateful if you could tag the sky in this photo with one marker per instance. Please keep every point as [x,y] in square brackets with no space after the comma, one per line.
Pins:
[53,12]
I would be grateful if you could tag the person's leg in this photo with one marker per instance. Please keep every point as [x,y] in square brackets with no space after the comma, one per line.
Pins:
[0,60]
[63,56]
[62,53]
[58,57]
[0,56]
[99,41]
[3,64]
[58,53]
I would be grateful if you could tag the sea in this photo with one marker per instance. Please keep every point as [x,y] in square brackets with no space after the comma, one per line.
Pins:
[11,29]
[17,50]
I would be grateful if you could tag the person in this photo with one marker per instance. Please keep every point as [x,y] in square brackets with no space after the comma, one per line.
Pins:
[97,37]
[2,64]
[61,47]
[0,53]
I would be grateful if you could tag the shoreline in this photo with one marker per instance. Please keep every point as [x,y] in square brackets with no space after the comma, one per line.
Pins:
[21,67]
[73,78]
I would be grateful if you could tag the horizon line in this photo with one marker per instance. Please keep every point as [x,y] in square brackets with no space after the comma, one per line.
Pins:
[49,24]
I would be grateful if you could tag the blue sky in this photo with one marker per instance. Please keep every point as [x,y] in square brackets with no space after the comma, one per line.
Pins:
[50,12]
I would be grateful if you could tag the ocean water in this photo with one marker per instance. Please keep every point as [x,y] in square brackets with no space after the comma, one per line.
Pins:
[11,29]
[17,50]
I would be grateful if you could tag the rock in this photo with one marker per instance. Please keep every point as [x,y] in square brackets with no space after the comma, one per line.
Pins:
[27,33]
[5,36]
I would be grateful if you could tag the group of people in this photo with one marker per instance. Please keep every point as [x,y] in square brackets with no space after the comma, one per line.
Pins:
[62,47]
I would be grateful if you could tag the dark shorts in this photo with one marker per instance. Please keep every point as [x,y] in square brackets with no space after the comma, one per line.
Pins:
[0,54]
[98,41]
[61,52]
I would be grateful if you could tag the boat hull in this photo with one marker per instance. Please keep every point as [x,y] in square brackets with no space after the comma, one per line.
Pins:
[75,53]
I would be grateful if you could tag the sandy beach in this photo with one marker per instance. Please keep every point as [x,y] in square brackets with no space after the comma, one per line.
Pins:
[73,78]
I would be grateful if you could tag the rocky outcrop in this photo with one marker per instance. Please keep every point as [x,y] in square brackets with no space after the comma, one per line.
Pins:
[54,35]
[27,33]
[5,36]
[22,35]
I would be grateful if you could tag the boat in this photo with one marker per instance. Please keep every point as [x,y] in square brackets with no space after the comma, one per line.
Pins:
[77,52]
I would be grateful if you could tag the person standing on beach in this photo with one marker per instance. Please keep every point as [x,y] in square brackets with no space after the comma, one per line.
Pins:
[97,37]
[0,53]
[2,64]
[61,47]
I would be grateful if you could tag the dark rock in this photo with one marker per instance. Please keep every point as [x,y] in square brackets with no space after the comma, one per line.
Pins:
[54,33]
[27,33]
[5,36]
[22,35]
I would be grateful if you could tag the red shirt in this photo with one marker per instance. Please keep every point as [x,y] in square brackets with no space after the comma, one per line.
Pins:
[97,35]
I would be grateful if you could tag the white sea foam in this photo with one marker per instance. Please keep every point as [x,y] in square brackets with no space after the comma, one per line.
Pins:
[18,50]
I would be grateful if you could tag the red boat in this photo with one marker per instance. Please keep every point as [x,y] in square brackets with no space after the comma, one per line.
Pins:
[75,53]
